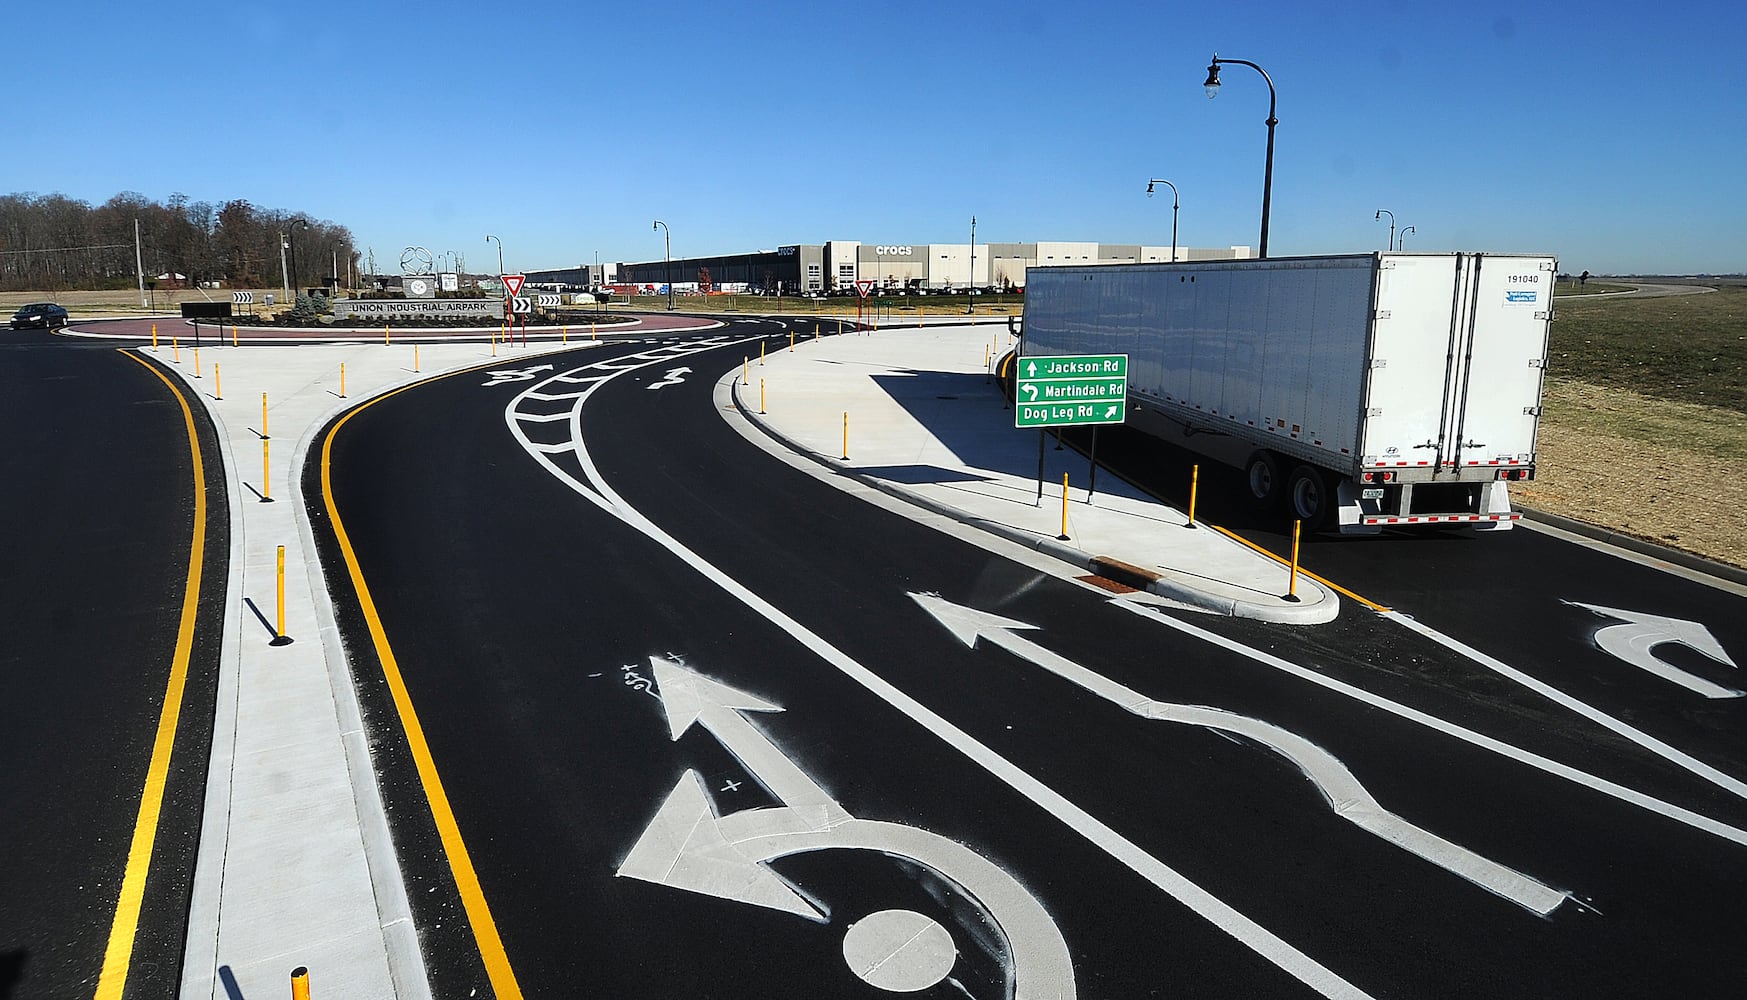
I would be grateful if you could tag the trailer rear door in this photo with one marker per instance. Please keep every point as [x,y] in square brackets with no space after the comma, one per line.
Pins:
[1498,410]
[1411,345]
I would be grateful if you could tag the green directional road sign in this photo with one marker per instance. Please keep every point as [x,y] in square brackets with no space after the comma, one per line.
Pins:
[1064,390]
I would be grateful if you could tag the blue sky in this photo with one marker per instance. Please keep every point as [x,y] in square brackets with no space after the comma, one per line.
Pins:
[1611,134]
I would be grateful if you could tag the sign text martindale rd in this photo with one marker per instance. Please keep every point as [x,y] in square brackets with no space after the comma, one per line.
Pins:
[1064,390]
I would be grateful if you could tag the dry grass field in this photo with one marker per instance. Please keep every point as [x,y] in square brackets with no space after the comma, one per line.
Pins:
[1645,424]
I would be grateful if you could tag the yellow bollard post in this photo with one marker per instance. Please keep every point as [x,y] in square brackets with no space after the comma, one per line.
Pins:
[175,350]
[342,380]
[217,383]
[1194,481]
[791,341]
[761,354]
[415,359]
[846,435]
[564,337]
[266,468]
[1064,535]
[815,330]
[591,331]
[761,395]
[745,363]
[279,626]
[233,337]
[197,362]
[387,335]
[1292,581]
[154,338]
[300,983]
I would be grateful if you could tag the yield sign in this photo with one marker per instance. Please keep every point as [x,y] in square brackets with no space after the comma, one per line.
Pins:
[512,284]
[864,286]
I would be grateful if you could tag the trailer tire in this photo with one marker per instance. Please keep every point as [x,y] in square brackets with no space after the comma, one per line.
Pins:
[1262,476]
[1310,497]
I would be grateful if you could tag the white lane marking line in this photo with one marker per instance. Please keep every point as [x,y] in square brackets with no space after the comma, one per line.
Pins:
[1695,820]
[1342,790]
[1680,758]
[1210,907]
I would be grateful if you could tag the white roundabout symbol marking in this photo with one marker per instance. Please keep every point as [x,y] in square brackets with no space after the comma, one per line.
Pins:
[900,951]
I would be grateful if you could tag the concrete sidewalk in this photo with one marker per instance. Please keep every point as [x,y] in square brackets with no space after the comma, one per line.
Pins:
[926,422]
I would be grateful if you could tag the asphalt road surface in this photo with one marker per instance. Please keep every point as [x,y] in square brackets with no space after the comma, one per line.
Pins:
[99,505]
[659,715]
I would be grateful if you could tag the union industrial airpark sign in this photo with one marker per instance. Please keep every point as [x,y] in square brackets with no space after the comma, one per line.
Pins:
[1065,390]
[380,310]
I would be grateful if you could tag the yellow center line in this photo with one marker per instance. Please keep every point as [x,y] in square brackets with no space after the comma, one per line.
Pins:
[1373,605]
[491,949]
[119,952]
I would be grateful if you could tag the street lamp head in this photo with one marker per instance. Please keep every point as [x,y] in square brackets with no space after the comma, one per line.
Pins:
[655,225]
[1149,189]
[1379,215]
[1212,83]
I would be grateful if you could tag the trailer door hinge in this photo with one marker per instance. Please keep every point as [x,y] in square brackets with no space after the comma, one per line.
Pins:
[1546,314]
[1386,265]
[1537,362]
[1548,265]
[1374,412]
[1379,362]
[1531,411]
[1382,314]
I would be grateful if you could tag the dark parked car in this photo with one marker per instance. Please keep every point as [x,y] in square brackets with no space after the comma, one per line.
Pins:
[44,314]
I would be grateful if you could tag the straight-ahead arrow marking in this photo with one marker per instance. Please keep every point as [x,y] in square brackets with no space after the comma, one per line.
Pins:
[1633,641]
[689,697]
[1343,791]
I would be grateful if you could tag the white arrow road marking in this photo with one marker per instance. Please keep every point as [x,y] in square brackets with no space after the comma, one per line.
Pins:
[593,487]
[1633,641]
[1503,749]
[1343,791]
[690,697]
[674,376]
[687,846]
[1727,782]
[507,375]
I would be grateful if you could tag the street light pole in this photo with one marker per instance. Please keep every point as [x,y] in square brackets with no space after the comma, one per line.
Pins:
[971,289]
[1404,233]
[291,231]
[284,272]
[1173,187]
[1381,212]
[668,267]
[492,239]
[1212,85]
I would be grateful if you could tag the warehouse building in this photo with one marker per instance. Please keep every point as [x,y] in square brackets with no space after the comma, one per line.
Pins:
[833,268]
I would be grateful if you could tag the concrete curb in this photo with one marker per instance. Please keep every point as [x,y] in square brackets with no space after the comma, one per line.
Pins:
[1309,613]
[1632,543]
[200,942]
[400,940]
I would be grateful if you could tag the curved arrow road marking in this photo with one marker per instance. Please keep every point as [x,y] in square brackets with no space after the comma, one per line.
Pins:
[1631,796]
[1681,758]
[1343,791]
[674,376]
[686,846]
[1633,642]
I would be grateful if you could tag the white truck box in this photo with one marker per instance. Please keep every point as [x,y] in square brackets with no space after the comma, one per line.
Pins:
[1385,388]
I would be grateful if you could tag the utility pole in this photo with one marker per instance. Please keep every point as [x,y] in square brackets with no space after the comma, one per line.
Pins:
[139,262]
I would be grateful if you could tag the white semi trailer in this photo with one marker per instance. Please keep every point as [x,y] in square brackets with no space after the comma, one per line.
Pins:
[1367,390]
